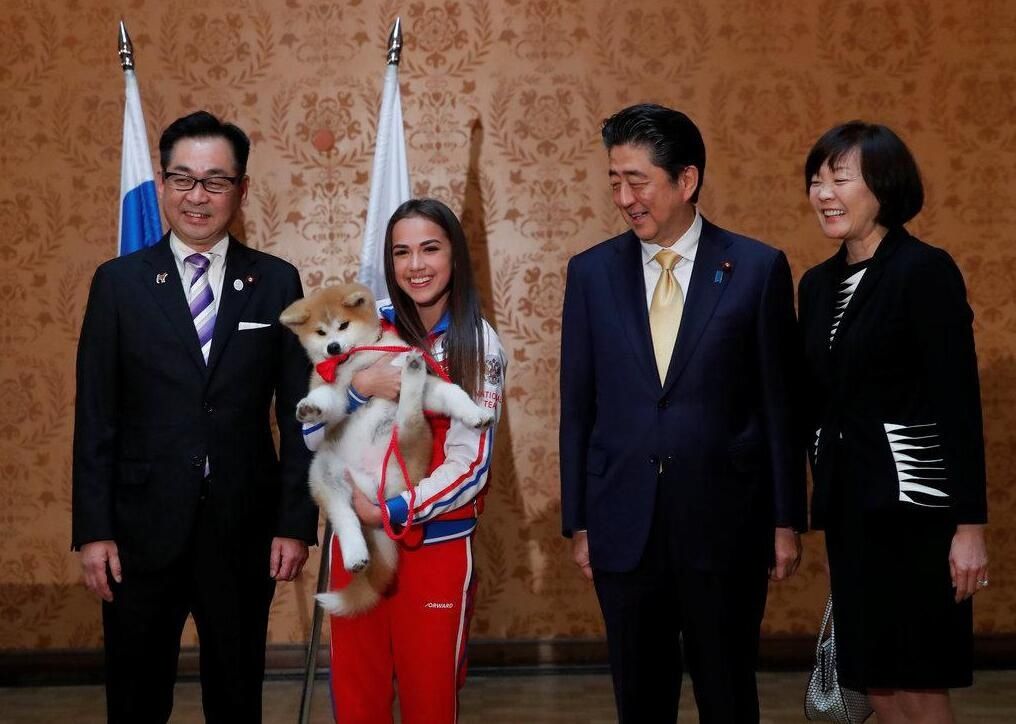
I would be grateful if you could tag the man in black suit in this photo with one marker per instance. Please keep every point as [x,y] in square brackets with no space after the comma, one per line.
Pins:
[180,503]
[682,467]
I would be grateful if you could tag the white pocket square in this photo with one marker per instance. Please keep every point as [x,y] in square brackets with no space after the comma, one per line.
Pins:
[252,325]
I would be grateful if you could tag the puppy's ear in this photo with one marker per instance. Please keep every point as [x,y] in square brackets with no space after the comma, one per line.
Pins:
[355,299]
[295,314]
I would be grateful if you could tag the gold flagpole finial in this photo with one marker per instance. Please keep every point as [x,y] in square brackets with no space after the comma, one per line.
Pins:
[395,43]
[125,48]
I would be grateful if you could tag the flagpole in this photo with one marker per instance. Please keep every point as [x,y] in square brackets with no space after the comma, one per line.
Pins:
[394,54]
[310,664]
[125,49]
[370,257]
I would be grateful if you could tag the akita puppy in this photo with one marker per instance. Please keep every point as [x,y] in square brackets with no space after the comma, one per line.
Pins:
[330,322]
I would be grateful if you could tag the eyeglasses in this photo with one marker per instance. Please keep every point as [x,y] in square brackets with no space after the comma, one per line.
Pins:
[211,184]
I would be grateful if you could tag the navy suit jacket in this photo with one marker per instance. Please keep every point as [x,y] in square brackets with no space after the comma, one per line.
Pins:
[723,425]
[150,411]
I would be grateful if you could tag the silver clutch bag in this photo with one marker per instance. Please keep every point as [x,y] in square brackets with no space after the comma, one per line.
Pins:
[825,699]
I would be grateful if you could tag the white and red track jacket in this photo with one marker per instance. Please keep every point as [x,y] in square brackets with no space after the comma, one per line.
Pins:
[447,502]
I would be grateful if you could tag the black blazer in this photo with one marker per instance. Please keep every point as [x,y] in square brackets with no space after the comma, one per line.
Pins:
[896,398]
[149,410]
[723,423]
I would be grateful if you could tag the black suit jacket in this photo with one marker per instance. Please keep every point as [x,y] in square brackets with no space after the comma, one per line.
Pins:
[724,423]
[149,411]
[896,397]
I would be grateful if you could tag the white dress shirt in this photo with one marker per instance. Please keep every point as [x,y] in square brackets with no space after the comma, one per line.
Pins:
[216,269]
[686,247]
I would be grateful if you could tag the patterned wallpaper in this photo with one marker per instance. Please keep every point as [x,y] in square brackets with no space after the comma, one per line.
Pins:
[502,102]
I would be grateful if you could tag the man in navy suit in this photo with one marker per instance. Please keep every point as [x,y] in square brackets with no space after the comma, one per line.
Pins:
[682,466]
[180,503]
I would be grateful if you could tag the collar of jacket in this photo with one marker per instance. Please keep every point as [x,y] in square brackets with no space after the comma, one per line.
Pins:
[885,249]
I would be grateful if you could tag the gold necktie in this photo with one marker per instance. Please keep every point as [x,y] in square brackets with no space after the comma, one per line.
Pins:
[665,310]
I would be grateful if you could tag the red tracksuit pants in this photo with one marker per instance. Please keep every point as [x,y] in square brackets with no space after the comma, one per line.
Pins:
[416,635]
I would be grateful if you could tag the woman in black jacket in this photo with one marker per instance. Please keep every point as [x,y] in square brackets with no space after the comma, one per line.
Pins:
[897,450]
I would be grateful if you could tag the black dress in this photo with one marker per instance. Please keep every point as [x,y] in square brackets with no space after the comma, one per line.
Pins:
[897,457]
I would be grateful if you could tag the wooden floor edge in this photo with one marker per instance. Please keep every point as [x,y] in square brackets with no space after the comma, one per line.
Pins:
[55,667]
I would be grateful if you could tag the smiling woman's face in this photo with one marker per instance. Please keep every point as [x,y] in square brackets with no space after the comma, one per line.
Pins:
[422,258]
[846,207]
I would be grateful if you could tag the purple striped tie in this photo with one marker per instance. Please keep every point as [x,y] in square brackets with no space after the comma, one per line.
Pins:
[201,300]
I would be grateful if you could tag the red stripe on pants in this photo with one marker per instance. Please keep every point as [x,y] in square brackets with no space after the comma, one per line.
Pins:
[416,634]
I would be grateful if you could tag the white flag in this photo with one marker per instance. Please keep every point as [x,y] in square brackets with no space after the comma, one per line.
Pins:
[140,225]
[389,184]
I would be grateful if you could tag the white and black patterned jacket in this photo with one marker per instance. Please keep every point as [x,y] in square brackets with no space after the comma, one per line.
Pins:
[892,387]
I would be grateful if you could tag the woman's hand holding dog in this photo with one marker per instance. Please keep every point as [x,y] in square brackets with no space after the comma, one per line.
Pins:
[367,511]
[382,379]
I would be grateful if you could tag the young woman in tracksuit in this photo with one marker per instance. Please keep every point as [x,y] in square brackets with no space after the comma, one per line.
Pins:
[418,632]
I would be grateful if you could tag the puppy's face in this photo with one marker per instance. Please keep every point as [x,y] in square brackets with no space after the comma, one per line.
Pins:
[332,320]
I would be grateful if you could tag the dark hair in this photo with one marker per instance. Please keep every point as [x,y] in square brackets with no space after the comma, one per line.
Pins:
[672,138]
[202,124]
[464,339]
[888,167]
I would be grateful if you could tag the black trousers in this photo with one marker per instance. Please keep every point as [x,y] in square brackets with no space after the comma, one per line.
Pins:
[717,613]
[143,625]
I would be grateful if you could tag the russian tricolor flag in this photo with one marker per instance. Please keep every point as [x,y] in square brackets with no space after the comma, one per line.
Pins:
[140,225]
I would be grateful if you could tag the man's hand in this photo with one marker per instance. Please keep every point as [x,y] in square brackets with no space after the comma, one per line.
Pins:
[287,559]
[95,557]
[382,379]
[788,554]
[968,561]
[366,510]
[580,553]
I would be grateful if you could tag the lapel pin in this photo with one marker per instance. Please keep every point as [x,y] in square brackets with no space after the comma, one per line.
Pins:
[238,285]
[725,268]
[250,278]
[161,277]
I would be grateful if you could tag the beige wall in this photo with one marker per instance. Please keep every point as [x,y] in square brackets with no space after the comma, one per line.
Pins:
[502,101]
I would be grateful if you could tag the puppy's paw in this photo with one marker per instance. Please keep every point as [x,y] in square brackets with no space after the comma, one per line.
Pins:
[355,556]
[307,411]
[415,363]
[356,566]
[482,418]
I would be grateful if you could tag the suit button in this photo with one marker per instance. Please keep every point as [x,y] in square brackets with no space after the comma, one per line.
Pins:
[197,461]
[663,404]
[654,461]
